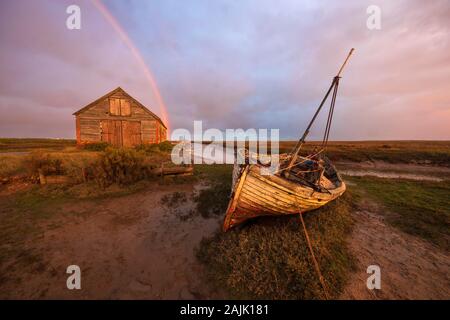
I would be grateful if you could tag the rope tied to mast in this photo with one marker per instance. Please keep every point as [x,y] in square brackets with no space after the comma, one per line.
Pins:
[330,114]
[334,85]
[316,264]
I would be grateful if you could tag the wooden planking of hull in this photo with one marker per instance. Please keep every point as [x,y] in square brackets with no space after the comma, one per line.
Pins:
[255,195]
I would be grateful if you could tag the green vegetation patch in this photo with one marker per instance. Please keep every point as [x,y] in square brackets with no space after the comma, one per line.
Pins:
[97,146]
[121,166]
[420,208]
[213,199]
[162,147]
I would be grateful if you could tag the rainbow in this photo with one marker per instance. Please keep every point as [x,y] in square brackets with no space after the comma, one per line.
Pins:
[138,56]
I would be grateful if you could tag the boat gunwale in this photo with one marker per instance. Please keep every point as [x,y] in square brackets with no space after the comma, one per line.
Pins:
[292,186]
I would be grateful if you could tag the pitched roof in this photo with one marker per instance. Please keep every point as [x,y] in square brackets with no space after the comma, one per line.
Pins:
[118,89]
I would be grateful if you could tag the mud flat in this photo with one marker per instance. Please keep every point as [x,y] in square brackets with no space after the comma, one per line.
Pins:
[129,247]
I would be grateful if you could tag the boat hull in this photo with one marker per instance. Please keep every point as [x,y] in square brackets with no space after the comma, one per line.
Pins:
[255,195]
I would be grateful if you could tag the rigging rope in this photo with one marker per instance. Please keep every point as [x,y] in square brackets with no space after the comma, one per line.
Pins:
[330,114]
[316,264]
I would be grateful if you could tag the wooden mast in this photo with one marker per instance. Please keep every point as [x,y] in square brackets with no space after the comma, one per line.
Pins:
[299,144]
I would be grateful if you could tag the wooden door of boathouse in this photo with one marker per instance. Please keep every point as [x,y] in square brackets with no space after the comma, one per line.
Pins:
[121,133]
[131,133]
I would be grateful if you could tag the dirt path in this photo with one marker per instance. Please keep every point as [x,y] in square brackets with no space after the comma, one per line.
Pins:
[411,268]
[132,247]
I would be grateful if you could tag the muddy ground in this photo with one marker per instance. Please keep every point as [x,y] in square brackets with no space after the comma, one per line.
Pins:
[131,247]
[142,246]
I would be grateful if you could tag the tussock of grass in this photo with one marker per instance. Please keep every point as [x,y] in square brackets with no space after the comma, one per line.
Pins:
[97,146]
[162,147]
[420,208]
[268,258]
[11,165]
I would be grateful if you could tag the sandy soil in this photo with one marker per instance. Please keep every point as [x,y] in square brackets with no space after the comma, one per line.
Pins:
[411,268]
[132,247]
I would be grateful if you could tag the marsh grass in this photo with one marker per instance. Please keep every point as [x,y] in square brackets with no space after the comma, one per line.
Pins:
[268,258]
[69,162]
[29,144]
[420,208]
[97,146]
[162,147]
[11,165]
[422,152]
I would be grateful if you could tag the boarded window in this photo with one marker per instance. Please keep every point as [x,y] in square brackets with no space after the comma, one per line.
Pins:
[119,107]
[125,108]
[114,107]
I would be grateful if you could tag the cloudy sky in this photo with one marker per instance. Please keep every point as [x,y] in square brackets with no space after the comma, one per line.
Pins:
[232,64]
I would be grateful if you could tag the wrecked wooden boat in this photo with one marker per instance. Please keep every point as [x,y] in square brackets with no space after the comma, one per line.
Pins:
[298,183]
[255,194]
